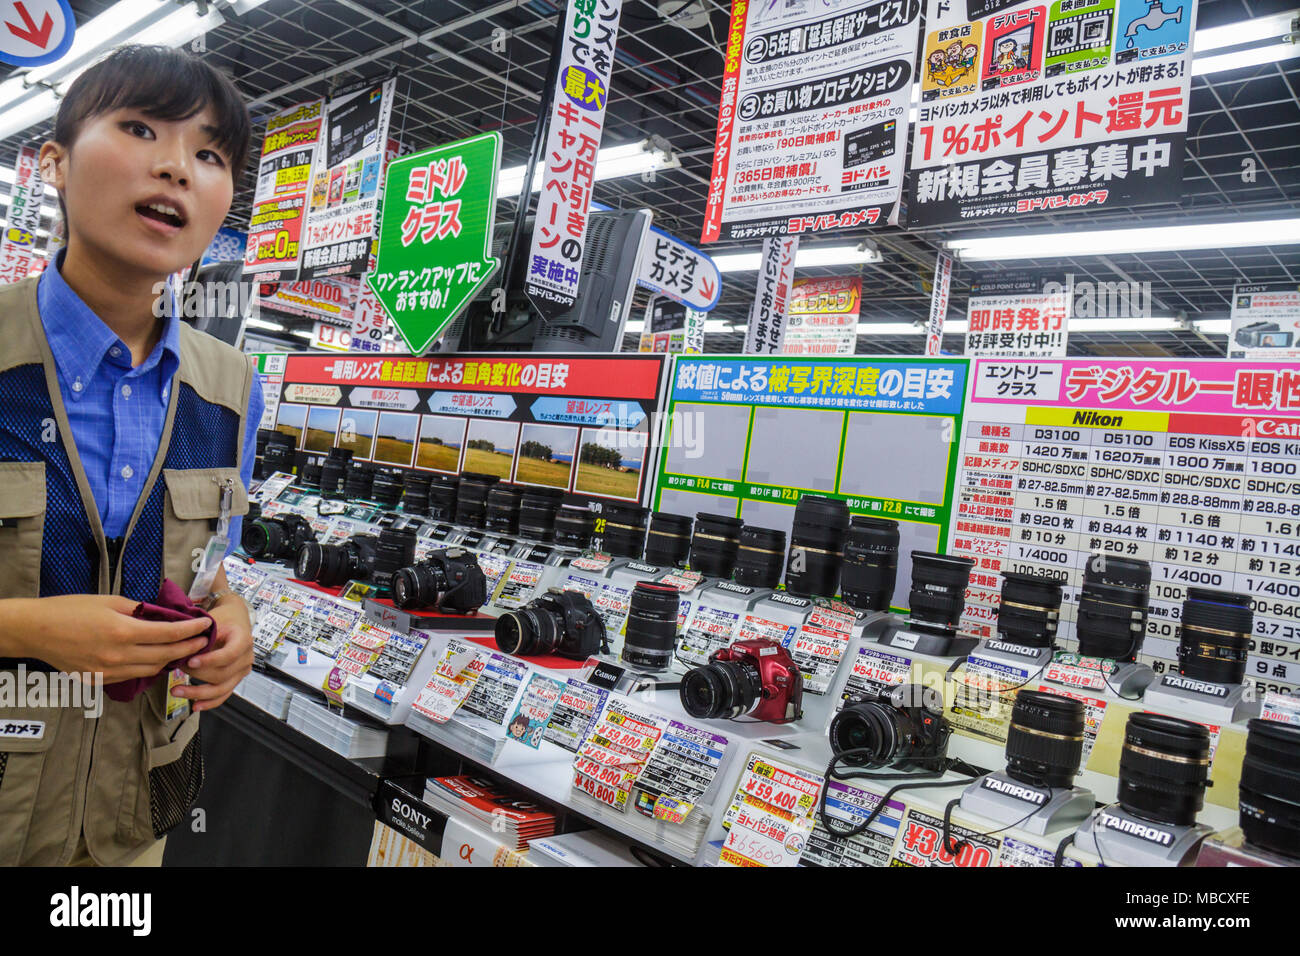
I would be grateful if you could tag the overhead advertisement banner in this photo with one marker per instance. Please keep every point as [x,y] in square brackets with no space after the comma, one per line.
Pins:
[19,244]
[1265,321]
[333,301]
[273,251]
[812,127]
[1026,319]
[766,331]
[671,268]
[572,142]
[939,294]
[1038,107]
[824,316]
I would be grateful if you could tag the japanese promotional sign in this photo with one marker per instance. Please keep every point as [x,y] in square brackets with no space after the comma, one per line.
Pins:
[671,268]
[572,142]
[581,424]
[1265,321]
[1029,319]
[435,240]
[672,327]
[766,331]
[812,127]
[19,243]
[346,182]
[823,316]
[1188,464]
[1030,107]
[280,197]
[939,294]
[332,301]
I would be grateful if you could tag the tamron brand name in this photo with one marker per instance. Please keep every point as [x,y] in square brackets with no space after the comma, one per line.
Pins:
[648,569]
[1098,420]
[1139,830]
[793,602]
[738,588]
[1018,649]
[1010,789]
[1199,686]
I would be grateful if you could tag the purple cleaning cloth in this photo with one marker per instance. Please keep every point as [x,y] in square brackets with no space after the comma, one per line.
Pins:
[172,604]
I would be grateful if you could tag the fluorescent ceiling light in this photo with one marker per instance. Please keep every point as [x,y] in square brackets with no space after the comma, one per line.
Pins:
[1060,245]
[807,258]
[263,324]
[1251,30]
[1240,59]
[301,334]
[612,162]
[1213,326]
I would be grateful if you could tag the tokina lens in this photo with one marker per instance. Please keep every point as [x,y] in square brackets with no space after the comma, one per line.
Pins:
[415,493]
[721,689]
[624,535]
[386,489]
[938,594]
[574,526]
[1045,739]
[714,545]
[277,455]
[760,557]
[816,546]
[558,622]
[310,472]
[471,499]
[1270,787]
[651,634]
[503,508]
[1029,609]
[669,540]
[1112,615]
[359,481]
[442,497]
[1214,637]
[331,565]
[394,550]
[870,567]
[1163,768]
[537,508]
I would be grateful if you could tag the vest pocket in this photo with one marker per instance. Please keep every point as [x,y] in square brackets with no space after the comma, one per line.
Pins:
[26,735]
[22,527]
[194,504]
[175,778]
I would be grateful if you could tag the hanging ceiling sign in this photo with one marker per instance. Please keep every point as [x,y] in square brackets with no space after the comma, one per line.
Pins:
[766,332]
[679,271]
[18,246]
[36,32]
[273,248]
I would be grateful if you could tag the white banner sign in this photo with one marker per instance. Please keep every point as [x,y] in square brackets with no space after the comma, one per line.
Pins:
[1027,324]
[1265,321]
[671,267]
[19,243]
[766,332]
[939,304]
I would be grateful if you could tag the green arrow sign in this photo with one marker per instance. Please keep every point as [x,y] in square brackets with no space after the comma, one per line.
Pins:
[435,234]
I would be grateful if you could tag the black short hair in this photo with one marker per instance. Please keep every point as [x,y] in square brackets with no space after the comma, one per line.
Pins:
[161,82]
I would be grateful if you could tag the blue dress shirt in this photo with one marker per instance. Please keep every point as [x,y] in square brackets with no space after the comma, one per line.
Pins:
[117,412]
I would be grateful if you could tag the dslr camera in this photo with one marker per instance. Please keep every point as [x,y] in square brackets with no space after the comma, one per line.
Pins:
[900,728]
[275,539]
[448,580]
[558,622]
[363,557]
[755,678]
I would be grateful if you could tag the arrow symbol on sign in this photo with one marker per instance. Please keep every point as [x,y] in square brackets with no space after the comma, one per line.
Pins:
[37,36]
[707,288]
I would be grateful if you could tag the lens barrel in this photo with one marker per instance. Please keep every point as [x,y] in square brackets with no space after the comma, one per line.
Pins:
[669,540]
[1164,768]
[625,529]
[816,546]
[503,508]
[386,489]
[359,481]
[415,493]
[1029,609]
[651,635]
[537,510]
[1045,739]
[714,545]
[528,631]
[1113,606]
[309,474]
[471,499]
[938,594]
[760,557]
[1214,637]
[721,690]
[277,455]
[574,526]
[394,550]
[442,497]
[334,472]
[870,567]
[1270,787]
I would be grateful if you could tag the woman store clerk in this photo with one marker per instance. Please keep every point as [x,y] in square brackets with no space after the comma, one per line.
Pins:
[120,435]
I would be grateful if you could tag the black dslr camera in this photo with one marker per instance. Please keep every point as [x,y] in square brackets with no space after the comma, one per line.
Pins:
[558,622]
[275,539]
[448,580]
[899,728]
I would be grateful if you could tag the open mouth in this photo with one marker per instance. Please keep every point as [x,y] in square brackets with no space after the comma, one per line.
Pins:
[161,212]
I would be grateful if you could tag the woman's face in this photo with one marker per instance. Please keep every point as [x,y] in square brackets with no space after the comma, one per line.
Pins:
[143,194]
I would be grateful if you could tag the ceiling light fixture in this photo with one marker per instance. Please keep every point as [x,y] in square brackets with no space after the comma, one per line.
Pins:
[1181,238]
[612,162]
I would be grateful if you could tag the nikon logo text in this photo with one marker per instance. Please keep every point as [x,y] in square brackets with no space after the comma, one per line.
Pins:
[1098,420]
[76,909]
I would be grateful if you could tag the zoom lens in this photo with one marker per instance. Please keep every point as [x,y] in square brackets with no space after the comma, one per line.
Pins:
[528,631]
[760,557]
[471,499]
[503,508]
[276,538]
[1029,609]
[394,550]
[938,594]
[277,455]
[537,509]
[332,565]
[903,729]
[870,568]
[1123,572]
[442,497]
[1270,787]
[415,493]
[334,471]
[625,530]
[1045,739]
[1214,637]
[386,489]
[714,545]
[558,622]
[449,580]
[669,540]
[574,526]
[723,689]
[651,636]
[816,546]
[359,481]
[310,472]
[1163,768]
[1112,615]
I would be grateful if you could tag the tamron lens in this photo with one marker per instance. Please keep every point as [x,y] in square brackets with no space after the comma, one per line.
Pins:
[938,594]
[310,473]
[651,636]
[334,471]
[1029,609]
[1045,739]
[386,489]
[624,535]
[1164,768]
[1270,787]
[669,540]
[537,509]
[574,526]
[870,567]
[449,580]
[1113,604]
[442,497]
[1214,637]
[760,557]
[714,545]
[415,493]
[816,546]
[558,622]
[394,550]
[503,509]
[331,565]
[359,481]
[471,499]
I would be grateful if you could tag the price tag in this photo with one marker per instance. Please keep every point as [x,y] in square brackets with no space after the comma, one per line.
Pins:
[1282,708]
[451,681]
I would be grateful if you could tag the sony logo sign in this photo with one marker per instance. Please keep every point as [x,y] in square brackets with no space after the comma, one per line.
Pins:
[1007,788]
[407,812]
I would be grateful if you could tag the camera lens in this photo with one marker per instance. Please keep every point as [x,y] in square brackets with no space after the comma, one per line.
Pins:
[1124,572]
[938,594]
[558,622]
[418,585]
[870,567]
[723,689]
[359,481]
[1214,638]
[1112,615]
[669,539]
[1163,768]
[537,508]
[1029,608]
[261,537]
[415,493]
[714,545]
[1045,739]
[394,550]
[334,472]
[574,526]
[311,558]
[816,546]
[471,499]
[1270,787]
[625,530]
[277,455]
[528,631]
[386,489]
[760,557]
[651,635]
[503,508]
[442,497]
[263,436]
[310,473]
[901,729]
[869,726]
[449,580]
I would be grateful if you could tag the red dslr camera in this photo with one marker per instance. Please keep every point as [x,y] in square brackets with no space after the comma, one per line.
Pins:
[755,678]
